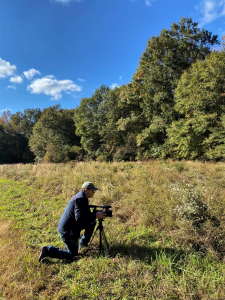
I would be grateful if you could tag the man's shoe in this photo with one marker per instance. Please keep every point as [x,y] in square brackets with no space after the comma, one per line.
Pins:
[43,254]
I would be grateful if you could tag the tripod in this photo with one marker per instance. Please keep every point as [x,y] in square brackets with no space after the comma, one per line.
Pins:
[103,244]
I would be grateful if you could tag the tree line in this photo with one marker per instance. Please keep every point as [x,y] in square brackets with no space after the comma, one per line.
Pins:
[174,106]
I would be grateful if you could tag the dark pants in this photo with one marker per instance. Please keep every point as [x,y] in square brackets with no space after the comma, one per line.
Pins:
[71,243]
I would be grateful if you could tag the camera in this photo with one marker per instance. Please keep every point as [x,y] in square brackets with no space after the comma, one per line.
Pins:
[106,208]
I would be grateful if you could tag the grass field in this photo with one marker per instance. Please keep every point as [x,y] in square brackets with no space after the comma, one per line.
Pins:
[167,234]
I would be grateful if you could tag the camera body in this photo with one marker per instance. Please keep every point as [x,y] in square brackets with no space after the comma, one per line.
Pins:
[106,208]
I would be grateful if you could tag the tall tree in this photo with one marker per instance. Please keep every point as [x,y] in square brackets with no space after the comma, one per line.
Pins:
[53,136]
[200,101]
[89,118]
[4,147]
[13,144]
[96,122]
[25,121]
[152,88]
[117,144]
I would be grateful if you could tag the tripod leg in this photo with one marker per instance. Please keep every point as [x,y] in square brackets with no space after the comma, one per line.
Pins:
[105,246]
[90,243]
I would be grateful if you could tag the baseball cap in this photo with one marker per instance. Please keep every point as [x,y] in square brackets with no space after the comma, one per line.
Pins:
[89,185]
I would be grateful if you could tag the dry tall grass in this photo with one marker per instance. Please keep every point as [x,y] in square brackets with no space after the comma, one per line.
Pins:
[166,234]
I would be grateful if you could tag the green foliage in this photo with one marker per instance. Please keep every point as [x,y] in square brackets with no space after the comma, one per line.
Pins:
[4,149]
[200,101]
[172,107]
[53,136]
[25,121]
[89,118]
[150,96]
[180,166]
[13,143]
[96,123]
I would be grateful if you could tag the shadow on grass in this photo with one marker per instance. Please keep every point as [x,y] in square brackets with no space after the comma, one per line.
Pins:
[132,251]
[147,254]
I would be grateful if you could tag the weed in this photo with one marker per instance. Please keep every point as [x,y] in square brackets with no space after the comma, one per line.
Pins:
[180,166]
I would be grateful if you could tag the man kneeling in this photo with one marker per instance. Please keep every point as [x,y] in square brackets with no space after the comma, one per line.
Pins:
[76,216]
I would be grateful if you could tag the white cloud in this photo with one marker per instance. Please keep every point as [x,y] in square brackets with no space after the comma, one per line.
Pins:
[50,86]
[148,2]
[6,69]
[63,1]
[67,1]
[120,78]
[6,109]
[79,79]
[16,79]
[113,86]
[211,10]
[221,32]
[31,73]
[13,87]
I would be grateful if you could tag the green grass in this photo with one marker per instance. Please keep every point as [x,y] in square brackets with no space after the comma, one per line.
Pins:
[156,249]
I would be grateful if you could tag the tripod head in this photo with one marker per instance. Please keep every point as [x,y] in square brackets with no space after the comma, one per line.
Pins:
[105,208]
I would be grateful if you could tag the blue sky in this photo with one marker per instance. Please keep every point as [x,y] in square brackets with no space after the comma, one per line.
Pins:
[59,51]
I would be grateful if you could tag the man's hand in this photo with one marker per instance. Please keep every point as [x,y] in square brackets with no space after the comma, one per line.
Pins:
[101,214]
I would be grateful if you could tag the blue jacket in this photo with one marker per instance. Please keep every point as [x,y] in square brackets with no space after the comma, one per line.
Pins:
[76,216]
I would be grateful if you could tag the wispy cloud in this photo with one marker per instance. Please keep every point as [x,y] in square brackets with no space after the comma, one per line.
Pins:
[66,1]
[211,10]
[221,31]
[80,79]
[114,85]
[50,86]
[148,2]
[16,79]
[13,87]
[6,109]
[6,69]
[31,73]
[63,1]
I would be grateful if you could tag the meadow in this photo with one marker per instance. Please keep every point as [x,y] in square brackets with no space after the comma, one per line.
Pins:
[167,233]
